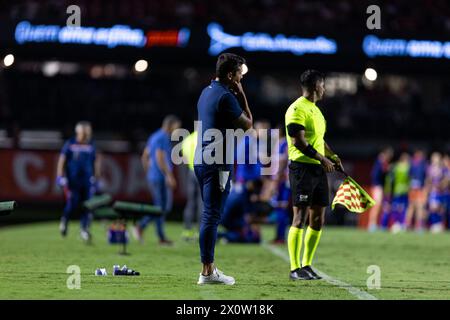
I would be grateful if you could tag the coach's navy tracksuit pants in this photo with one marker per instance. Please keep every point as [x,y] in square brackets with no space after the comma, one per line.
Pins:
[214,198]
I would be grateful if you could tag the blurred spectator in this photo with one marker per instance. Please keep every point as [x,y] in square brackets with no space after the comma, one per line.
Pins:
[241,213]
[399,180]
[379,172]
[436,185]
[417,192]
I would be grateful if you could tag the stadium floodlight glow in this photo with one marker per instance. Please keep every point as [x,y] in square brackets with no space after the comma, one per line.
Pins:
[374,46]
[51,68]
[244,69]
[221,41]
[371,74]
[141,65]
[8,60]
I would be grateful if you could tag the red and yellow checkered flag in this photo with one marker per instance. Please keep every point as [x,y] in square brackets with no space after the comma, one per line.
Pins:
[352,196]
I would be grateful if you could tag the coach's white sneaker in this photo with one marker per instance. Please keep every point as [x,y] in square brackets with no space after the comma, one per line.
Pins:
[216,277]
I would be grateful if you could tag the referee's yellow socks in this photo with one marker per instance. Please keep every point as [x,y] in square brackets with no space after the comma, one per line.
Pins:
[312,238]
[295,236]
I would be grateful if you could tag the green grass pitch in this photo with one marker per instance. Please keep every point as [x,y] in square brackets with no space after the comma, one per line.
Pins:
[34,259]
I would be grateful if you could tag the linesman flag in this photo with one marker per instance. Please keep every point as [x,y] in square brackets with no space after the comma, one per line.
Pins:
[352,196]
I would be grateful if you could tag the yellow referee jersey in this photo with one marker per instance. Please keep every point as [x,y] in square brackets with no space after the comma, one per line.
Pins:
[307,114]
[188,148]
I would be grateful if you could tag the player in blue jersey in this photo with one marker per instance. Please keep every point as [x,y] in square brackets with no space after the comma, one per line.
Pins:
[247,157]
[222,105]
[446,184]
[77,173]
[378,174]
[435,183]
[281,192]
[399,180]
[417,194]
[240,216]
[157,163]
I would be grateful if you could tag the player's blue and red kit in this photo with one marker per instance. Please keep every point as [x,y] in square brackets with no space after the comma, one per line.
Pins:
[280,200]
[79,171]
[161,193]
[447,195]
[417,173]
[379,173]
[248,164]
[436,196]
[237,209]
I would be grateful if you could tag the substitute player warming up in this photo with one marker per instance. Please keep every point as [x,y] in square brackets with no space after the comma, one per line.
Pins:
[77,174]
[309,161]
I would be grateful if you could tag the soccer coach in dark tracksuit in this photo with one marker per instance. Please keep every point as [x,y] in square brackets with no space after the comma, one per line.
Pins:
[222,105]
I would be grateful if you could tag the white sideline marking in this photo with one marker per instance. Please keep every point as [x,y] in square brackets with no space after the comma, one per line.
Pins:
[360,294]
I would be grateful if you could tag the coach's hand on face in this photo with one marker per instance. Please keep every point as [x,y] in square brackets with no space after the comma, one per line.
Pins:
[327,164]
[236,87]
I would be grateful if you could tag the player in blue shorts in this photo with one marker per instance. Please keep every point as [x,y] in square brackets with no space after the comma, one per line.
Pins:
[157,163]
[77,173]
[240,214]
[435,184]
[282,192]
[247,155]
[400,187]
[417,194]
[379,173]
[447,187]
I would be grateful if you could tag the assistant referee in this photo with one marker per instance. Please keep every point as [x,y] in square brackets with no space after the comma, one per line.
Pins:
[310,159]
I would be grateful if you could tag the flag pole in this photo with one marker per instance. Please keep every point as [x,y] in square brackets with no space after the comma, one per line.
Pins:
[339,169]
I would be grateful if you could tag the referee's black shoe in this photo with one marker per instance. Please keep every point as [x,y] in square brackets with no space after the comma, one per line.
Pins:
[309,270]
[300,274]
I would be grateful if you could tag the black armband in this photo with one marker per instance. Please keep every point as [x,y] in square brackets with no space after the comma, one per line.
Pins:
[309,151]
[294,128]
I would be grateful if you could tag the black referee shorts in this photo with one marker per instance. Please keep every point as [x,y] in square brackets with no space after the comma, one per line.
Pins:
[309,184]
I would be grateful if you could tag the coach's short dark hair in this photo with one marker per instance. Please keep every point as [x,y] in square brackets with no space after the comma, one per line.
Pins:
[309,78]
[170,120]
[228,62]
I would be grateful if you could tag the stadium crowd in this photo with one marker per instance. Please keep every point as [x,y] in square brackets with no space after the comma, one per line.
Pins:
[412,192]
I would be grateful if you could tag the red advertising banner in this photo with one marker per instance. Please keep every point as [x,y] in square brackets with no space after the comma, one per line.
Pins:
[30,176]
